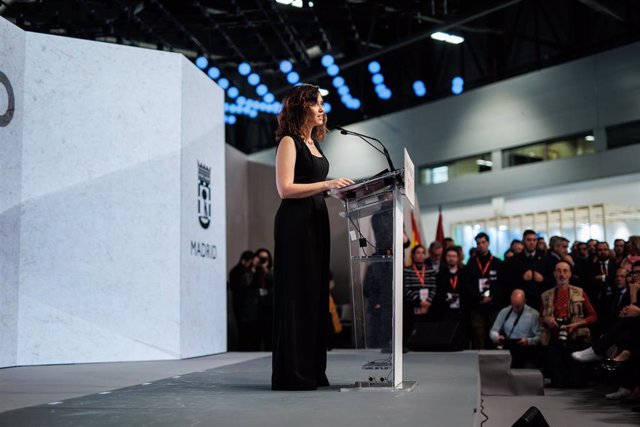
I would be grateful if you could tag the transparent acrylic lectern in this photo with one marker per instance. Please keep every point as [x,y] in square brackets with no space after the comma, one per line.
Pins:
[373,210]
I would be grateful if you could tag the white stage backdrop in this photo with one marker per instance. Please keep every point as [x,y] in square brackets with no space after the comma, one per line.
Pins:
[113,204]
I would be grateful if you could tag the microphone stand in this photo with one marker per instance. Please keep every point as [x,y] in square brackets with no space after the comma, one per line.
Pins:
[365,138]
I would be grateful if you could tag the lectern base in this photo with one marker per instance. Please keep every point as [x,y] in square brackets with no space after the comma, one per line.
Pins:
[380,386]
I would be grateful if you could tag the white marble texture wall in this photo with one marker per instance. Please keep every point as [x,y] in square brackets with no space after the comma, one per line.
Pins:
[101,263]
[12,41]
[203,292]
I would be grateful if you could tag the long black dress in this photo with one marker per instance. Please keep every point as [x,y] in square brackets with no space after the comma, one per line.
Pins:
[301,281]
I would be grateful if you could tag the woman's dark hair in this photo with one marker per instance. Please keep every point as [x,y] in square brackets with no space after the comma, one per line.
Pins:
[268,256]
[295,108]
[415,248]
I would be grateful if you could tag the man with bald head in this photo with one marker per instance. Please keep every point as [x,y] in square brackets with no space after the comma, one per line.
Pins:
[517,329]
[566,315]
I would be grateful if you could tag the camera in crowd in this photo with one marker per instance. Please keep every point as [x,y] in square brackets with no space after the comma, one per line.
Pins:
[563,333]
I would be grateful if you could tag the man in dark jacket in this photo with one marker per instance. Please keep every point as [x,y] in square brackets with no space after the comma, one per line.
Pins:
[527,270]
[240,281]
[599,280]
[485,274]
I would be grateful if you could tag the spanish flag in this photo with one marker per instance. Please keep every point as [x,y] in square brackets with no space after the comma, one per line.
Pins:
[415,235]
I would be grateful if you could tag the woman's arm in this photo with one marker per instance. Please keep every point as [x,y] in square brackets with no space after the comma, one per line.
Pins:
[285,166]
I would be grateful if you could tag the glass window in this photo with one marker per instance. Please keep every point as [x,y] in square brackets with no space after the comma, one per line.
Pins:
[562,148]
[623,134]
[437,174]
[569,224]
[579,223]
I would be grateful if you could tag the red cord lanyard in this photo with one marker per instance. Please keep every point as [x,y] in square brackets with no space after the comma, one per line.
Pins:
[418,275]
[483,271]
[453,281]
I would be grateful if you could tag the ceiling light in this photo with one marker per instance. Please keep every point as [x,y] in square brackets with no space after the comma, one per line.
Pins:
[449,38]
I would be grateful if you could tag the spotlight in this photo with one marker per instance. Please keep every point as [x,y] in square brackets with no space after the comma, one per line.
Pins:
[374,67]
[449,38]
[327,61]
[286,66]
[233,92]
[343,90]
[327,107]
[231,120]
[457,85]
[253,79]
[269,98]
[244,69]
[380,88]
[377,78]
[333,70]
[385,94]
[261,90]
[241,100]
[419,88]
[323,92]
[202,62]
[293,77]
[354,104]
[214,72]
[253,114]
[338,82]
[223,83]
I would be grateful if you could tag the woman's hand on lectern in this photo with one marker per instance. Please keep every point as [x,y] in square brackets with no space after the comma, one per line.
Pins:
[338,183]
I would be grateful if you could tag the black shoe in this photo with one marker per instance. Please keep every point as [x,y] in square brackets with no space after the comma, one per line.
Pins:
[610,367]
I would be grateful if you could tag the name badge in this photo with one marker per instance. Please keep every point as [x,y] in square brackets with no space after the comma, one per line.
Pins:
[424,294]
[454,299]
[483,285]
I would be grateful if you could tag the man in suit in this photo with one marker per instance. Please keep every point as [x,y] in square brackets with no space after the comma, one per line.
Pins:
[527,270]
[621,297]
[599,280]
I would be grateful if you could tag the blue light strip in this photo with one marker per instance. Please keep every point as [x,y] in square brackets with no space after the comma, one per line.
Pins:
[338,82]
[377,79]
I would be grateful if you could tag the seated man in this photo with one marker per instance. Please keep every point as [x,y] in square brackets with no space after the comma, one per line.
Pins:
[624,329]
[566,315]
[517,329]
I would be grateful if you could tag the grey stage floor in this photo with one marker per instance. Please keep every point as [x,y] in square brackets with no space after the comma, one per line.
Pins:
[239,395]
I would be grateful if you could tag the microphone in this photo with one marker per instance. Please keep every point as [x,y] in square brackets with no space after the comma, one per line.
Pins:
[365,138]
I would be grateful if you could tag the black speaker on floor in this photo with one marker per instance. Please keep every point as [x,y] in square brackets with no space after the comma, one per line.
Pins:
[532,418]
[436,336]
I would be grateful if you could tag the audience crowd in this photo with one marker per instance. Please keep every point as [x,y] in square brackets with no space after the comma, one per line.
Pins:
[573,313]
[570,310]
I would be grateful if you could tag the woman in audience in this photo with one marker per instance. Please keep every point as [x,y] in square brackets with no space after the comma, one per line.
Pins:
[452,300]
[633,253]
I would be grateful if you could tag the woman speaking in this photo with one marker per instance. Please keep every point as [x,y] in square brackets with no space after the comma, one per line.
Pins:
[301,255]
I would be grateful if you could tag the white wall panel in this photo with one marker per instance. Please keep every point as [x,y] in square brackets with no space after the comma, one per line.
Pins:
[12,41]
[108,189]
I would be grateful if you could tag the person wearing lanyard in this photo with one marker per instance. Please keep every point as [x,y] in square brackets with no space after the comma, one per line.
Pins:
[486,282]
[451,303]
[419,290]
[517,329]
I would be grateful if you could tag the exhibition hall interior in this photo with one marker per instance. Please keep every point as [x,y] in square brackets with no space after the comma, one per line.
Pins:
[328,212]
